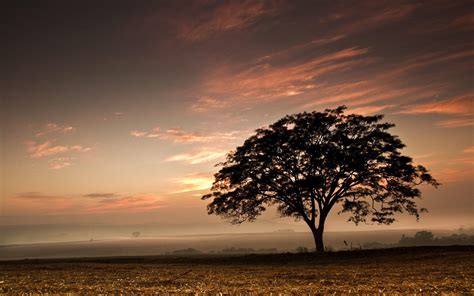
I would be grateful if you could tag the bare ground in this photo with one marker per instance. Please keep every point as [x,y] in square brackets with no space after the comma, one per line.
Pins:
[429,270]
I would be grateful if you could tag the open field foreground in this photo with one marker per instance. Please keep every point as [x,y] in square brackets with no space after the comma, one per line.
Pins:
[406,270]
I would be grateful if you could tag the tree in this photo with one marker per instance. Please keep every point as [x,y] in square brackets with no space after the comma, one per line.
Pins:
[306,163]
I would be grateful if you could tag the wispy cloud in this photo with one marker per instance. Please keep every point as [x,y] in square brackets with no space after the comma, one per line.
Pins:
[464,22]
[462,104]
[275,79]
[371,109]
[368,92]
[198,156]
[101,195]
[58,163]
[38,196]
[295,50]
[48,148]
[52,128]
[132,203]
[179,135]
[370,15]
[194,182]
[454,174]
[469,149]
[45,145]
[94,202]
[205,103]
[221,16]
[458,122]
[467,156]
[388,85]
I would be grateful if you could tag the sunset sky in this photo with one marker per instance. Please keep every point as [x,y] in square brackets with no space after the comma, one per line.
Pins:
[117,111]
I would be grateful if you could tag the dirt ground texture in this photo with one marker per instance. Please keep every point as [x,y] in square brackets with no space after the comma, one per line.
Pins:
[429,270]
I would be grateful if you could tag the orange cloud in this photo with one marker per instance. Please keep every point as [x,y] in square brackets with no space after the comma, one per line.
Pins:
[467,156]
[178,135]
[424,60]
[272,80]
[223,17]
[458,105]
[451,175]
[47,148]
[50,128]
[469,149]
[133,203]
[93,203]
[37,196]
[199,156]
[59,163]
[205,103]
[194,182]
[367,92]
[464,22]
[364,110]
[367,15]
[296,49]
[453,123]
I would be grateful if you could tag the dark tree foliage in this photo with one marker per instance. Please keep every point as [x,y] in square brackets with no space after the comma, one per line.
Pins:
[306,163]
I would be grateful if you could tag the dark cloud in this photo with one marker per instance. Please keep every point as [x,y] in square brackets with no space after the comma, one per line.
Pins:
[39,196]
[101,195]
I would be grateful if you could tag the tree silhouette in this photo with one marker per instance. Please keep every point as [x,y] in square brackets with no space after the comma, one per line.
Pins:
[306,163]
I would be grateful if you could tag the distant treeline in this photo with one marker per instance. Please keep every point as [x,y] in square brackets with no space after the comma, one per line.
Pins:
[425,238]
[421,238]
[232,250]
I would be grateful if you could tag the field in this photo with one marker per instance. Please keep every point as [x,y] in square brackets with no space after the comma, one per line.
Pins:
[408,270]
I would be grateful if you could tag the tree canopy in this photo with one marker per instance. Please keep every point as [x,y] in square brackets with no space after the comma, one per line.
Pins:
[306,163]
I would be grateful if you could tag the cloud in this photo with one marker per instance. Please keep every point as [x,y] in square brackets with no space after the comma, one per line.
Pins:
[181,136]
[369,15]
[48,148]
[194,182]
[37,196]
[45,146]
[132,203]
[364,110]
[420,61]
[59,163]
[463,22]
[296,50]
[367,92]
[453,123]
[388,85]
[205,103]
[53,128]
[462,104]
[452,175]
[221,16]
[101,195]
[469,149]
[95,202]
[469,159]
[274,79]
[467,156]
[198,156]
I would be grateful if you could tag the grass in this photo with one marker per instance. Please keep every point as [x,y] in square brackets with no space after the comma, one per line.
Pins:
[402,270]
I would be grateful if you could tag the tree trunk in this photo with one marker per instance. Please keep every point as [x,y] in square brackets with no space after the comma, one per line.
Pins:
[318,239]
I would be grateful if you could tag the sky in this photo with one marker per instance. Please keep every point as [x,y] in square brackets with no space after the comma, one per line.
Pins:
[118,111]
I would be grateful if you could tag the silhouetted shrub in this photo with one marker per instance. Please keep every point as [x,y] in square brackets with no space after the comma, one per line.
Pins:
[188,251]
